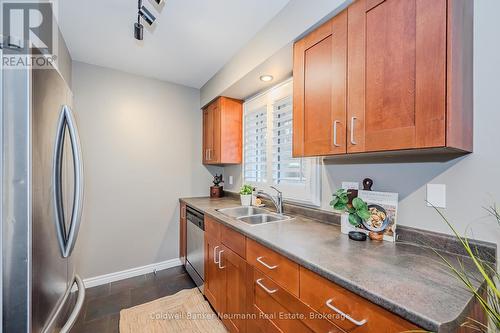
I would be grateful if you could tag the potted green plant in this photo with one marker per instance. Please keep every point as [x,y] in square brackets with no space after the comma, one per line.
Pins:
[246,195]
[352,214]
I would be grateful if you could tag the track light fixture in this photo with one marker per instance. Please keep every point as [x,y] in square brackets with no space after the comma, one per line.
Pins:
[138,31]
[147,16]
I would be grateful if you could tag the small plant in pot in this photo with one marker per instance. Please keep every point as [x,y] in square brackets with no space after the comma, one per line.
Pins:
[357,211]
[246,195]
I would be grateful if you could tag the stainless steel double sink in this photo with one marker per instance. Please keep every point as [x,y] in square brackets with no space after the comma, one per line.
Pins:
[253,215]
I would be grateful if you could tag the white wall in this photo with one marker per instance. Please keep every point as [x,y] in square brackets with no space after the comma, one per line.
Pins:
[141,142]
[473,181]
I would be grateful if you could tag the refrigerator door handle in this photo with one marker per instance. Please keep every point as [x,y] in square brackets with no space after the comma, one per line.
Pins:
[67,239]
[78,306]
[70,322]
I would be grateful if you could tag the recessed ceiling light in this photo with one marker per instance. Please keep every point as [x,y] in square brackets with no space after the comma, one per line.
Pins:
[266,78]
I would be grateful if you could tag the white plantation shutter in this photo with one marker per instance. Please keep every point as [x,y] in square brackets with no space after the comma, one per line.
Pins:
[286,169]
[255,145]
[267,148]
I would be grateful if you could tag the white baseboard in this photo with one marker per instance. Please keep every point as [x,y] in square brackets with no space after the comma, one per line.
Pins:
[136,271]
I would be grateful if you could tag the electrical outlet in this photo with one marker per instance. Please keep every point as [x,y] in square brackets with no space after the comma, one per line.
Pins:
[436,195]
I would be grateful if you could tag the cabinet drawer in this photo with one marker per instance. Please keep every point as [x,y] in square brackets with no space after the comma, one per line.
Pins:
[280,269]
[282,310]
[349,311]
[233,240]
[212,228]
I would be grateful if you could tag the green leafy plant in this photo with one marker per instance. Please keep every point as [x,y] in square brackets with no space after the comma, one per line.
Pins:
[246,189]
[490,300]
[358,211]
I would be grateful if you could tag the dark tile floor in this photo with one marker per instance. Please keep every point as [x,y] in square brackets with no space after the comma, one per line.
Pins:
[101,311]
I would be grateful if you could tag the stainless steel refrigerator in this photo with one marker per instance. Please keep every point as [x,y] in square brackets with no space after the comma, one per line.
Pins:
[42,201]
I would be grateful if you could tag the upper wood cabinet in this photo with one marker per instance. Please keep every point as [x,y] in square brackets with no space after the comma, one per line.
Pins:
[222,131]
[408,78]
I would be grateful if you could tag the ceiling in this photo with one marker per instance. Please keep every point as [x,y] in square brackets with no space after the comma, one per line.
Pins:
[279,65]
[190,41]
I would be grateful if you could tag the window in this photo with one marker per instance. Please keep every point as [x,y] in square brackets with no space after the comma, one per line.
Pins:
[286,169]
[267,148]
[256,145]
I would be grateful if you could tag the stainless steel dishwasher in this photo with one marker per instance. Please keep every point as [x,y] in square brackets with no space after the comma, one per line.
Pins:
[195,238]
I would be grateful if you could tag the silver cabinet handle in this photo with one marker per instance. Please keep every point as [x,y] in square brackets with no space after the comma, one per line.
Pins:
[355,322]
[335,133]
[269,291]
[220,260]
[259,259]
[210,154]
[215,255]
[353,119]
[67,240]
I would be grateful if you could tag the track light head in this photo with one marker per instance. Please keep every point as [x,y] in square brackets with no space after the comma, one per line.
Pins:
[147,15]
[138,31]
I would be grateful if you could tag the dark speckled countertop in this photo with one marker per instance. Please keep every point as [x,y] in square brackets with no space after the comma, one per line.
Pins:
[405,279]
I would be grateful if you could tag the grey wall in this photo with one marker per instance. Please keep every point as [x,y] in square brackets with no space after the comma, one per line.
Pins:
[64,60]
[141,142]
[472,181]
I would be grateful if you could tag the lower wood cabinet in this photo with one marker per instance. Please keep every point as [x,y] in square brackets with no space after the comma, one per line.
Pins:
[182,234]
[257,290]
[225,273]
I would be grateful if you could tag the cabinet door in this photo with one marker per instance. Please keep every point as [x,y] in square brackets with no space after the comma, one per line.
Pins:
[397,74]
[213,274]
[320,66]
[207,134]
[182,232]
[212,133]
[233,296]
[215,151]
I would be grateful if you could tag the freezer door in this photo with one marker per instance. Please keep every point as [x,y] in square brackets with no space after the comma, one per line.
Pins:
[50,279]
